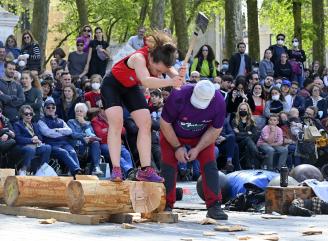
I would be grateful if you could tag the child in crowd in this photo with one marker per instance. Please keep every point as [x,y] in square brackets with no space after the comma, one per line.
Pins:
[271,143]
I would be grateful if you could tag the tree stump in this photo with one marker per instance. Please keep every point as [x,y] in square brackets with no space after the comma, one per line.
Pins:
[92,197]
[38,191]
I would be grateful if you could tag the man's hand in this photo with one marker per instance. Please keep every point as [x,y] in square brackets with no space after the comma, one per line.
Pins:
[193,154]
[220,139]
[177,81]
[35,139]
[181,155]
[4,137]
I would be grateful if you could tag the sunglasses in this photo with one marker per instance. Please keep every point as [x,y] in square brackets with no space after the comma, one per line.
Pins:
[28,114]
[87,30]
[27,37]
[51,107]
[280,39]
[205,50]
[80,45]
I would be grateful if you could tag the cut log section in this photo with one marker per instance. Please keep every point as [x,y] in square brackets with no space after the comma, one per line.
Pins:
[38,191]
[92,197]
[4,173]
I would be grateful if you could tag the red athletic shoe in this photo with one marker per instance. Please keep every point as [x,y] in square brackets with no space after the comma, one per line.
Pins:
[116,175]
[149,175]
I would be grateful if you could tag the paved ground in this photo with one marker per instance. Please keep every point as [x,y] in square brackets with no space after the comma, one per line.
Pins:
[28,229]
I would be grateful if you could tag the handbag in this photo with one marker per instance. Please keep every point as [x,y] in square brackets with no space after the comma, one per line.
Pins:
[296,68]
[46,171]
[311,133]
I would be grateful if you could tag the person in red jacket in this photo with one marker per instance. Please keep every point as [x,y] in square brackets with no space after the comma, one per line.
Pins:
[121,87]
[100,127]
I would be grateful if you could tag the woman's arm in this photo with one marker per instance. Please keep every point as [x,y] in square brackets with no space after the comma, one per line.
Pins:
[86,68]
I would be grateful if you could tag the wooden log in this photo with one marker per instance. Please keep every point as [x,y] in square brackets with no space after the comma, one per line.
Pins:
[4,173]
[278,199]
[92,197]
[38,191]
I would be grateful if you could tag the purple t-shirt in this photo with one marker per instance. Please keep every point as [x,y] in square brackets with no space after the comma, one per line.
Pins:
[188,121]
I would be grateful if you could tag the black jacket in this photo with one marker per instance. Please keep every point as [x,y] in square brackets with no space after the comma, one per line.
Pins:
[234,64]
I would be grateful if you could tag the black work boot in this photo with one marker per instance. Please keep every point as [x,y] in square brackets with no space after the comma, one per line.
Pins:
[216,212]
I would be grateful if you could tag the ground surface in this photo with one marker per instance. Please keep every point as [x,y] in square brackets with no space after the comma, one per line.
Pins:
[290,228]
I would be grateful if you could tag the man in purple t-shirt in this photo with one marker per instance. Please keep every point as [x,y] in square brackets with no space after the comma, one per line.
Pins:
[193,116]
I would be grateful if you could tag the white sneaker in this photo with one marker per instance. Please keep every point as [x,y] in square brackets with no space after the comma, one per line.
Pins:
[21,172]
[97,171]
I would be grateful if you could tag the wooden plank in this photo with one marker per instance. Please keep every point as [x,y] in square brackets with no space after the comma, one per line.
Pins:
[278,199]
[120,218]
[164,217]
[33,212]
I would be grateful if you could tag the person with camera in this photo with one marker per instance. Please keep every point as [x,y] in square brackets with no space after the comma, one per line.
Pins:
[29,139]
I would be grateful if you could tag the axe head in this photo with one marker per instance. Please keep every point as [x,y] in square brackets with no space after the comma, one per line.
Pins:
[201,22]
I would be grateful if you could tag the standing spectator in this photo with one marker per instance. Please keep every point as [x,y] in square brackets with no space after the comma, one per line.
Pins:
[77,60]
[11,46]
[276,102]
[29,139]
[266,66]
[204,62]
[252,80]
[66,103]
[271,142]
[7,135]
[137,41]
[32,49]
[296,59]
[2,59]
[278,49]
[240,63]
[86,37]
[56,133]
[98,55]
[317,101]
[85,140]
[283,68]
[59,55]
[32,92]
[256,102]
[11,93]
[93,97]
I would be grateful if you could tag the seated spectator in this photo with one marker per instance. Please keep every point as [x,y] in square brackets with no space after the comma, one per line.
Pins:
[266,66]
[32,92]
[225,67]
[93,97]
[253,79]
[276,103]
[285,87]
[271,143]
[11,46]
[11,93]
[246,136]
[56,133]
[256,102]
[46,87]
[53,66]
[100,126]
[267,85]
[293,99]
[225,86]
[77,60]
[29,139]
[66,103]
[194,77]
[204,62]
[59,55]
[317,101]
[237,96]
[85,138]
[283,68]
[65,80]
[7,135]
[32,49]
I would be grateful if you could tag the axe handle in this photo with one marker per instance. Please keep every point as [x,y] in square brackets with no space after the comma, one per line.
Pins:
[191,47]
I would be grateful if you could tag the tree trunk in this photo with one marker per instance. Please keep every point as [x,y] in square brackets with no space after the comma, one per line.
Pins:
[40,25]
[82,9]
[143,12]
[157,14]
[318,44]
[38,191]
[253,30]
[233,25]
[92,197]
[180,20]
[297,14]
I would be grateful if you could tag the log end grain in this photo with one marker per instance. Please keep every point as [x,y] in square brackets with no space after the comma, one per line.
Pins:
[11,191]
[75,194]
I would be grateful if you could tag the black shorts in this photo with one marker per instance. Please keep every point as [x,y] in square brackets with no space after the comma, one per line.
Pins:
[113,93]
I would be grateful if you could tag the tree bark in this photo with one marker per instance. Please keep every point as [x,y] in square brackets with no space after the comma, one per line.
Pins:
[40,25]
[92,197]
[297,14]
[157,14]
[180,21]
[318,44]
[38,191]
[82,9]
[233,26]
[253,30]
[143,12]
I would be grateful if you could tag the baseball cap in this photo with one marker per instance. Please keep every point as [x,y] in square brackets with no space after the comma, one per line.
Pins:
[79,40]
[286,82]
[50,101]
[202,94]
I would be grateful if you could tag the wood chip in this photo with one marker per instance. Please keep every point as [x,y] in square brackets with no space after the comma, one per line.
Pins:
[208,221]
[47,221]
[254,238]
[268,233]
[244,237]
[273,217]
[231,228]
[186,239]
[312,231]
[271,237]
[140,220]
[209,234]
[128,226]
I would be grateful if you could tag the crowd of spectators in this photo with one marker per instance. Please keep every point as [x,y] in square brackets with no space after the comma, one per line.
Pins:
[57,114]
